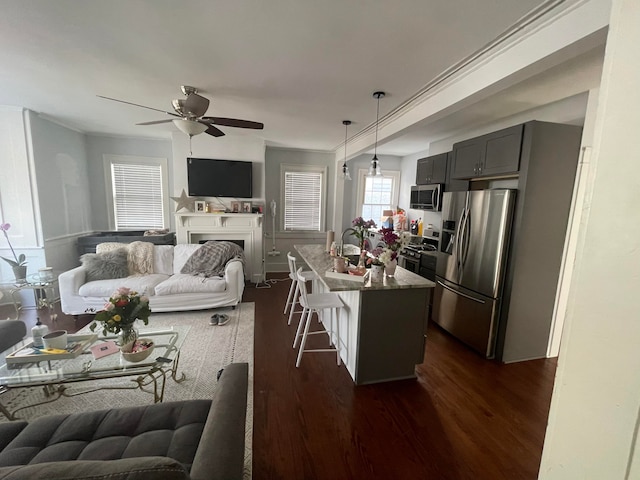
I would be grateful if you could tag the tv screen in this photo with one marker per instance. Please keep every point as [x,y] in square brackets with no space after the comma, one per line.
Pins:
[209,177]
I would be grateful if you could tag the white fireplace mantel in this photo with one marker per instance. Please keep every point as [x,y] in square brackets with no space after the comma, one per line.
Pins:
[247,227]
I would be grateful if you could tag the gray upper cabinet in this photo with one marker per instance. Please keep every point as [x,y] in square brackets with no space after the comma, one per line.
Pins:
[431,169]
[497,153]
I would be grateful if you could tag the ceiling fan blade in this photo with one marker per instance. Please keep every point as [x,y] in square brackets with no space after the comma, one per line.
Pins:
[196,105]
[234,122]
[213,131]
[138,105]
[155,122]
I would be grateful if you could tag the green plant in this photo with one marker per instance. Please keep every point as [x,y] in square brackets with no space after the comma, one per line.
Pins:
[123,308]
[18,261]
[359,229]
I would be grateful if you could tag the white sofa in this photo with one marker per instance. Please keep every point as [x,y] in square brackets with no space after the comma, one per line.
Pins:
[167,288]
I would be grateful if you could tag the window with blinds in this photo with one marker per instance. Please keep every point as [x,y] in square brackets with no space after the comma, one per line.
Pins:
[137,196]
[303,200]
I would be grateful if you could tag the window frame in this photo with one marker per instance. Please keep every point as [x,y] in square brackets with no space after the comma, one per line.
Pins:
[109,159]
[395,190]
[296,168]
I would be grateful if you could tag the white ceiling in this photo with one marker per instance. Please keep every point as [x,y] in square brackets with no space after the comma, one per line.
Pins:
[298,66]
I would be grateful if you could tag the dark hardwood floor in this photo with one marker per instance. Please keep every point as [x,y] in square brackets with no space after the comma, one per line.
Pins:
[462,418]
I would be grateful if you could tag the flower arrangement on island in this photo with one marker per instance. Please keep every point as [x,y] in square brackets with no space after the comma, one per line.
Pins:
[124,307]
[394,243]
[18,260]
[359,227]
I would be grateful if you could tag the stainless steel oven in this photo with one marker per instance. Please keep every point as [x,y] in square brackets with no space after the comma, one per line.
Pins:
[408,261]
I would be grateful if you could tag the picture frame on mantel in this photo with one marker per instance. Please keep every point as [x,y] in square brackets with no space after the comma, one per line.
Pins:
[200,206]
[235,207]
[246,207]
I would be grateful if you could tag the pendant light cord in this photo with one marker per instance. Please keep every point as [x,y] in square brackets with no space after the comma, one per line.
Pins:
[375,148]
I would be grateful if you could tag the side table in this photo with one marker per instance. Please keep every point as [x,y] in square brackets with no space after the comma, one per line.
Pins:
[45,293]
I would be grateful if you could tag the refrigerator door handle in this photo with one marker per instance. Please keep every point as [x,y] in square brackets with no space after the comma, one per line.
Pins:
[461,236]
[458,235]
[465,238]
[460,293]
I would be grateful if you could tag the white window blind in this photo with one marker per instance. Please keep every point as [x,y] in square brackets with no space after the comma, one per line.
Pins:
[137,196]
[302,200]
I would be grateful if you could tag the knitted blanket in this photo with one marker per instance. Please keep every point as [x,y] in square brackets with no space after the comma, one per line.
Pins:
[211,259]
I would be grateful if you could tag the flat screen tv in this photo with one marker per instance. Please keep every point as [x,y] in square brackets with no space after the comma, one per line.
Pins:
[208,177]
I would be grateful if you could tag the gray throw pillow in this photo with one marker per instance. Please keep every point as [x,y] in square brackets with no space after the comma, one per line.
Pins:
[102,266]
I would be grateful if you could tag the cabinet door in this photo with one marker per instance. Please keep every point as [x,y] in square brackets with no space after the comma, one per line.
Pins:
[424,168]
[467,157]
[502,152]
[439,168]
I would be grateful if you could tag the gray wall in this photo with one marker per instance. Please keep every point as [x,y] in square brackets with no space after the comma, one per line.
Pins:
[97,146]
[274,157]
[60,160]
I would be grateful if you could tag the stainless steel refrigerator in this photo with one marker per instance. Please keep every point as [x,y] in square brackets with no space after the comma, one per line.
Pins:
[475,232]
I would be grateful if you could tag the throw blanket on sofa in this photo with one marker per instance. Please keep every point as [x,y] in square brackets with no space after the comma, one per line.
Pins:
[211,259]
[139,255]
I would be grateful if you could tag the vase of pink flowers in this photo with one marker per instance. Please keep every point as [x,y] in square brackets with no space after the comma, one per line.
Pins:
[359,228]
[393,244]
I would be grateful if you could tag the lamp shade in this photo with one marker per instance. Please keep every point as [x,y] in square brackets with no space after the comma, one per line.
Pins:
[190,127]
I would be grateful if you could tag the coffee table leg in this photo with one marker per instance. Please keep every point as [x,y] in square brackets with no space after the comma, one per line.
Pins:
[174,370]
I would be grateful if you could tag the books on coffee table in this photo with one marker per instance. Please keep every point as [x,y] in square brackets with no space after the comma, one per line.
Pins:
[31,354]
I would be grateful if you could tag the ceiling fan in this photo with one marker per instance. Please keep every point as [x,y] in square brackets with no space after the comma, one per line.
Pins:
[189,113]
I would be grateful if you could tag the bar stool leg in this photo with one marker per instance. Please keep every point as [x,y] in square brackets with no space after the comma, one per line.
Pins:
[294,300]
[304,338]
[291,288]
[305,313]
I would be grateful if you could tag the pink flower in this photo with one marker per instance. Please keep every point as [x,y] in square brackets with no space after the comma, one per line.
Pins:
[109,306]
[144,299]
[5,226]
[124,291]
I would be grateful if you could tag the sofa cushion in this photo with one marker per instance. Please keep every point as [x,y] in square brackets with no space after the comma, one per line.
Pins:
[171,429]
[181,254]
[163,259]
[143,468]
[102,266]
[144,284]
[182,283]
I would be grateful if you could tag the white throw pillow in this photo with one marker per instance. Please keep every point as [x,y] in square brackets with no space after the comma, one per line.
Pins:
[183,283]
[163,259]
[181,254]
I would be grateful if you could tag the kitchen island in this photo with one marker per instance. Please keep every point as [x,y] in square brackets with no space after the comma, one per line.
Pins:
[383,325]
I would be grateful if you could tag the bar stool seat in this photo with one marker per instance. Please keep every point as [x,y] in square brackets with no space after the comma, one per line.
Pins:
[294,289]
[317,303]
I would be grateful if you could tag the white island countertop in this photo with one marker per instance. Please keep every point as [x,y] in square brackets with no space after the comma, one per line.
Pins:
[320,262]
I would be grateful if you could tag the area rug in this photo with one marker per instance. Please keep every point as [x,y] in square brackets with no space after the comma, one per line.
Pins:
[205,351]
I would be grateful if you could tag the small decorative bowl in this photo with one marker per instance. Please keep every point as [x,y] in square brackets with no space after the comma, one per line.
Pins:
[138,355]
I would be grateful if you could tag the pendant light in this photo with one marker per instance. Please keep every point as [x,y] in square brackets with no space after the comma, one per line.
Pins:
[374,169]
[345,169]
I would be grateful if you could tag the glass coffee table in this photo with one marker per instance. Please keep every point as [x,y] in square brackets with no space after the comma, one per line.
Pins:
[45,292]
[55,375]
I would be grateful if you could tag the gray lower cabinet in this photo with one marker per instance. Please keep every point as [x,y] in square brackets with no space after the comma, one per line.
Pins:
[497,153]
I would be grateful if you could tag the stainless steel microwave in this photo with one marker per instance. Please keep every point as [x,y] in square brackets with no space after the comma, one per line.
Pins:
[427,197]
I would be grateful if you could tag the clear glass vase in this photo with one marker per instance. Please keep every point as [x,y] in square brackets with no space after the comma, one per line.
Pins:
[127,337]
[390,268]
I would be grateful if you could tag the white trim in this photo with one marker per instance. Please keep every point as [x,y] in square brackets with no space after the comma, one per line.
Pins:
[108,159]
[395,192]
[288,167]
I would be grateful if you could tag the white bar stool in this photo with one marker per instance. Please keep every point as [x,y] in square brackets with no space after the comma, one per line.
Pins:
[294,289]
[316,303]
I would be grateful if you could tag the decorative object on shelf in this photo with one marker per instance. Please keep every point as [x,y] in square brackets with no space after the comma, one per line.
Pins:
[246,207]
[124,307]
[235,207]
[183,201]
[374,169]
[200,206]
[359,229]
[19,262]
[345,170]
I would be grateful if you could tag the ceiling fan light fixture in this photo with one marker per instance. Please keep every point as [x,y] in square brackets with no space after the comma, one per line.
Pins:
[374,169]
[190,127]
[345,169]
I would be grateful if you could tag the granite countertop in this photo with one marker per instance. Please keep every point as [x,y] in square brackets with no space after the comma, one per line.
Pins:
[320,262]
